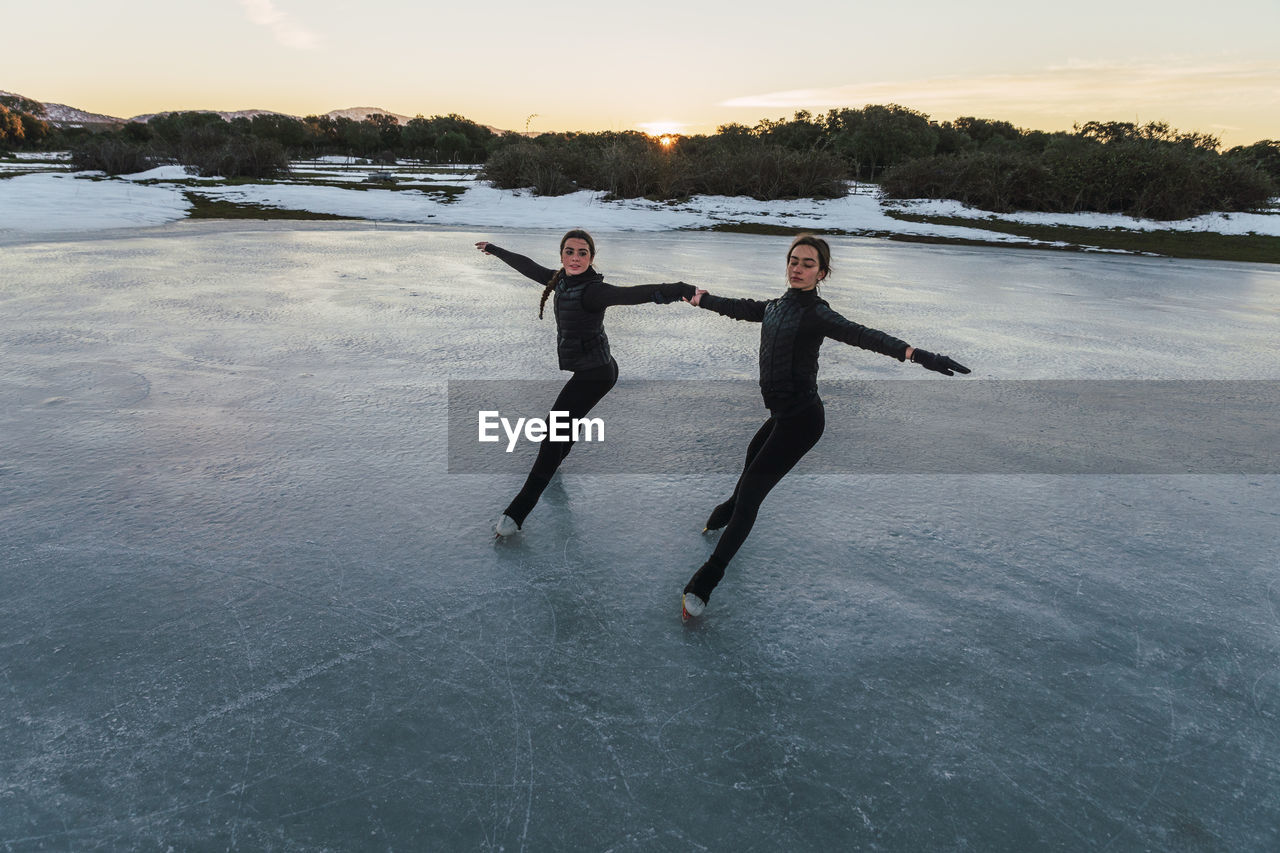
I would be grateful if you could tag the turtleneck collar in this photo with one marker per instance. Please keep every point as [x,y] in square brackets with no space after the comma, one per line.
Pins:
[586,275]
[802,296]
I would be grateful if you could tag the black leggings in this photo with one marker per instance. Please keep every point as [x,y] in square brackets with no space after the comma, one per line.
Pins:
[579,395]
[776,448]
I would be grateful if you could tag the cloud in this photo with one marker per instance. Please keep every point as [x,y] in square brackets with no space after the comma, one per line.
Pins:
[1085,88]
[290,34]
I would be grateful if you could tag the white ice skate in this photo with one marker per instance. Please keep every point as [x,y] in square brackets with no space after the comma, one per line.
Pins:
[505,526]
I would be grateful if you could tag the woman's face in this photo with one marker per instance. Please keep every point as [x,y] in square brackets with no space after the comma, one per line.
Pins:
[802,268]
[575,255]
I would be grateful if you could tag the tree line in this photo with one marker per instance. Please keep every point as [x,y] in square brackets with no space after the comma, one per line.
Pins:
[263,146]
[1149,170]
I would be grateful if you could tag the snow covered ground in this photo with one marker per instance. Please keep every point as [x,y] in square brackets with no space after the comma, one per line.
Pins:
[28,162]
[41,156]
[1218,223]
[42,203]
[74,202]
[246,605]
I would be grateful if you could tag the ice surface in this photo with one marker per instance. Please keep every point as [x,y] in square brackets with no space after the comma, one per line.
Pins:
[245,606]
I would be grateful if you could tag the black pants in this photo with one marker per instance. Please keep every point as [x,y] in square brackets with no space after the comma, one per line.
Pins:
[776,448]
[579,395]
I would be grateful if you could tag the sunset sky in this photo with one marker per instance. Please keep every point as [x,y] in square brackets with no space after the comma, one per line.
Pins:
[662,65]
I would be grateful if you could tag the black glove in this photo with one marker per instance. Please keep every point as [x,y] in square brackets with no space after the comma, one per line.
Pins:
[686,292]
[944,364]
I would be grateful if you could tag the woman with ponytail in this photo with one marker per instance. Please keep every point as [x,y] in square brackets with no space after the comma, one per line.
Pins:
[792,328]
[581,297]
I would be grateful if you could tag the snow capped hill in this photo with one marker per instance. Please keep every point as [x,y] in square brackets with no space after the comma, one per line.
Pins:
[360,113]
[65,115]
[226,116]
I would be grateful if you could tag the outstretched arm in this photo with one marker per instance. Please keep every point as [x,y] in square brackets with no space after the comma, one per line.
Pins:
[750,310]
[600,296]
[519,263]
[846,331]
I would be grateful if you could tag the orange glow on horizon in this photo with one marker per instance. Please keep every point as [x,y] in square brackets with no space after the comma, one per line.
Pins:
[659,129]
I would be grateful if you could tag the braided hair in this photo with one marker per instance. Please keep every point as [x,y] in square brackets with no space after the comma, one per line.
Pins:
[576,233]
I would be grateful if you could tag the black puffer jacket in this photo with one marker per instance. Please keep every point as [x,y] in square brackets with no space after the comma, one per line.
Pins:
[580,302]
[792,330]
[580,339]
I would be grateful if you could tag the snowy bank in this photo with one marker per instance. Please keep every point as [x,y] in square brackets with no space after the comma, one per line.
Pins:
[81,202]
[1267,224]
[87,201]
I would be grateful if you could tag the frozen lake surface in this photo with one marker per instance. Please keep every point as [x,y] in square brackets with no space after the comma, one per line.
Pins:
[246,606]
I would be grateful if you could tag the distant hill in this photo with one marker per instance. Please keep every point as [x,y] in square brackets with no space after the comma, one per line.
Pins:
[361,113]
[61,114]
[225,115]
[353,113]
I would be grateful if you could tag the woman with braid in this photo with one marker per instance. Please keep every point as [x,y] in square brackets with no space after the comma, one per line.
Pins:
[581,297]
[792,329]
